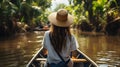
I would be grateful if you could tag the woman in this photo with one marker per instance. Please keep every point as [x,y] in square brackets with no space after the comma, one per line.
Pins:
[59,38]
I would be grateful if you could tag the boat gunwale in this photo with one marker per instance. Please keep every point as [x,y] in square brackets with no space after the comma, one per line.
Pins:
[86,57]
[34,57]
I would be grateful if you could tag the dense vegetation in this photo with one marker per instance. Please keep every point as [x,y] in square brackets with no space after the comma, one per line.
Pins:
[19,15]
[96,15]
[90,15]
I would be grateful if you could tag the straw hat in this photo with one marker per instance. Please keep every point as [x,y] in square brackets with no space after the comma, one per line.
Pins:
[61,18]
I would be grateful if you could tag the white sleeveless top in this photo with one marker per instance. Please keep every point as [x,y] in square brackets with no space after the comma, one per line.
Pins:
[52,56]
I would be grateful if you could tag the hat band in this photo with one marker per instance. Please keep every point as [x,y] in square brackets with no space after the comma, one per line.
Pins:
[62,18]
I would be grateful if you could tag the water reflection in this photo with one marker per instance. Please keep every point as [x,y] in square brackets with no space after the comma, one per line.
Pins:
[17,51]
[111,57]
[104,50]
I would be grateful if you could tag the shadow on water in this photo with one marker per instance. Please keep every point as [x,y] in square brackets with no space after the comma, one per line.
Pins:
[17,51]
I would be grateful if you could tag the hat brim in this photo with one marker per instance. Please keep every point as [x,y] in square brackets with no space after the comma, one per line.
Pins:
[53,20]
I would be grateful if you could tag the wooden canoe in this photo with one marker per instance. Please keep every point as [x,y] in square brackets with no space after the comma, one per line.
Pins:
[81,60]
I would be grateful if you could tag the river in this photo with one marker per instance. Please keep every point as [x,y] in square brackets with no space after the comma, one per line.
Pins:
[16,51]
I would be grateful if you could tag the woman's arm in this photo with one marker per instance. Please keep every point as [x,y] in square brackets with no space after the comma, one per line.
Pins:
[75,57]
[44,52]
[74,54]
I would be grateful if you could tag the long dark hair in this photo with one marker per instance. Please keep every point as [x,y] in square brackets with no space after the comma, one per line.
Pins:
[58,37]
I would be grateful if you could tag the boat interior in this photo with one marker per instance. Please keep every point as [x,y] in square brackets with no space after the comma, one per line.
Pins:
[79,59]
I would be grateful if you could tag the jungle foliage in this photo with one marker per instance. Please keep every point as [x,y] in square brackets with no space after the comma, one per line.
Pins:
[95,15]
[16,12]
[90,15]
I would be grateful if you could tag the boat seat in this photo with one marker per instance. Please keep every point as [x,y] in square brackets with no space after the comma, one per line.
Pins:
[41,59]
[79,60]
[74,60]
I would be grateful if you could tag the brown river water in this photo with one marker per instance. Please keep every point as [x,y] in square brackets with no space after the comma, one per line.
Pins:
[17,51]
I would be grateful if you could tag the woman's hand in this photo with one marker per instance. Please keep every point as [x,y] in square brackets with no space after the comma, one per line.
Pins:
[45,52]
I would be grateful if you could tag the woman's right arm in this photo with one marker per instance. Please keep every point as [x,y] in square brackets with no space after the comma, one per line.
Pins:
[44,51]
